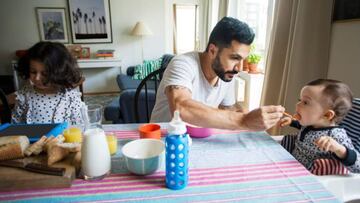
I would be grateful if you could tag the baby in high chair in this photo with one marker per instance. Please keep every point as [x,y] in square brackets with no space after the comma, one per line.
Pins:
[322,105]
[50,96]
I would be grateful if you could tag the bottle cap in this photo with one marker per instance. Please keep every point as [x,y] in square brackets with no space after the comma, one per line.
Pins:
[176,125]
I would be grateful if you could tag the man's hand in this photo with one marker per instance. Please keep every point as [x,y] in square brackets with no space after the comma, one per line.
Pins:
[328,144]
[285,121]
[262,118]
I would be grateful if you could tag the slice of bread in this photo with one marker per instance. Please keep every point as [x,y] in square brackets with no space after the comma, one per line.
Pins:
[36,148]
[57,150]
[72,147]
[13,147]
[56,153]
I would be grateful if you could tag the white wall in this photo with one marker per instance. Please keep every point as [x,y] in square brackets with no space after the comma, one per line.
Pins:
[344,61]
[19,30]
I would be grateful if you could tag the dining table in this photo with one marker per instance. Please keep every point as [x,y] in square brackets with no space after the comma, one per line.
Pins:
[228,166]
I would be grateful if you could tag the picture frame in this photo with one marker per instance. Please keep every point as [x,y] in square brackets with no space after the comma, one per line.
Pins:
[85,53]
[90,21]
[346,10]
[52,24]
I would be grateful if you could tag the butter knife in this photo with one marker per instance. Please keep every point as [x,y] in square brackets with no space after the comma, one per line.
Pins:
[34,167]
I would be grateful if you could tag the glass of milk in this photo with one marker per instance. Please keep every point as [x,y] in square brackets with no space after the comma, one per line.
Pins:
[95,155]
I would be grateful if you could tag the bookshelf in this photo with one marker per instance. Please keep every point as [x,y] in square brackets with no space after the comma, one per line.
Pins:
[99,63]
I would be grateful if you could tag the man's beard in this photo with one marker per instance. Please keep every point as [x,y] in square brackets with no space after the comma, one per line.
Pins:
[219,69]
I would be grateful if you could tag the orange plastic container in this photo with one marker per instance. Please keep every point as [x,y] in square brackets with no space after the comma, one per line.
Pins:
[150,130]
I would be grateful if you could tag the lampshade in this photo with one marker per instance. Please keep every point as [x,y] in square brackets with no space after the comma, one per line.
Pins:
[141,29]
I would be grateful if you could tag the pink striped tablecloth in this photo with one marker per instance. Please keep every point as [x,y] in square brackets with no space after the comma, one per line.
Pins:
[229,166]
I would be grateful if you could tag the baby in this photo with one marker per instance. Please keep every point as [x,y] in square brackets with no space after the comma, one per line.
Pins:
[322,105]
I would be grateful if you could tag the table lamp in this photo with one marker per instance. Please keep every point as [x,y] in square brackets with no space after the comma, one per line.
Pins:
[141,29]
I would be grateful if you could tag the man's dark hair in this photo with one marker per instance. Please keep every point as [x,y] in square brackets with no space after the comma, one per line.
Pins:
[337,95]
[229,29]
[61,67]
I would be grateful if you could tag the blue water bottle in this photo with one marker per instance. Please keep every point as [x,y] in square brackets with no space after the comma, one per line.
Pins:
[176,153]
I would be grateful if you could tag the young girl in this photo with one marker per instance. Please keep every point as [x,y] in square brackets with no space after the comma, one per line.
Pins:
[50,96]
[323,104]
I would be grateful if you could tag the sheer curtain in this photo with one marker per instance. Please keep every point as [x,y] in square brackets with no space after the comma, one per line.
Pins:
[298,50]
[223,9]
[211,12]
[206,24]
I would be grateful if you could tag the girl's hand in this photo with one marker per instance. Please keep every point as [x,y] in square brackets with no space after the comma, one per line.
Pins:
[328,144]
[285,121]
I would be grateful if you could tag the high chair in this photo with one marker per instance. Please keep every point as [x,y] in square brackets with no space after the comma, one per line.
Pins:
[346,188]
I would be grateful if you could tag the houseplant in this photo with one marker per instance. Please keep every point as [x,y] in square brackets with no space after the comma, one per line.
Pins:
[253,59]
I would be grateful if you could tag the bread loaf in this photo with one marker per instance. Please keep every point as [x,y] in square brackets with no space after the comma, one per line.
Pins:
[13,147]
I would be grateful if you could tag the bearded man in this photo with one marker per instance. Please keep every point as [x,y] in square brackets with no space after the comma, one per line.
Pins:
[200,84]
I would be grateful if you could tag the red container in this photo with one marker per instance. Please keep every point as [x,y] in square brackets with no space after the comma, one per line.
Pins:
[150,130]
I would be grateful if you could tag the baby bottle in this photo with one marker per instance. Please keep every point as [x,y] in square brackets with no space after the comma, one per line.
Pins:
[176,154]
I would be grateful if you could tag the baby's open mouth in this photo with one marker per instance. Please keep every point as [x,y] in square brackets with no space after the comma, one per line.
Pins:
[297,116]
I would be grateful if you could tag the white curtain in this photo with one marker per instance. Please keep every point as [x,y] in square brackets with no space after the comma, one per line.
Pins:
[211,12]
[223,9]
[205,23]
[298,50]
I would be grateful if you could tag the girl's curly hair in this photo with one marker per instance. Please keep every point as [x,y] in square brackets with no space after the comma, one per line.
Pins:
[61,67]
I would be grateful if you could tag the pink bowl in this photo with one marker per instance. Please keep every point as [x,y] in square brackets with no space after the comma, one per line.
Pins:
[198,132]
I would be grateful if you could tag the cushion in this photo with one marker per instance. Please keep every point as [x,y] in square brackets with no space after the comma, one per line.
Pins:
[328,167]
[141,71]
[130,71]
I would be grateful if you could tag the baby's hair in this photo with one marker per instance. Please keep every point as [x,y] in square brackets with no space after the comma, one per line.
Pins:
[338,96]
[61,68]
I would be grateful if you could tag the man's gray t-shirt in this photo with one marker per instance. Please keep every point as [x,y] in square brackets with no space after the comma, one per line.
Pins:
[185,70]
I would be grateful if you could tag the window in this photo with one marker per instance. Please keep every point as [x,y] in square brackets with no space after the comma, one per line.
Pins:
[186,36]
[258,15]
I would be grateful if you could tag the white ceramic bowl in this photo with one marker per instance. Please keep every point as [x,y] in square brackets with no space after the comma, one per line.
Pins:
[144,156]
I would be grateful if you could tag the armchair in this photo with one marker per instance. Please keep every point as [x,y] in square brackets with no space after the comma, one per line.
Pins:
[121,109]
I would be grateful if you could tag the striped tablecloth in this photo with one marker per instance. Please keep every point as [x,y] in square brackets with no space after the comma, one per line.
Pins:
[229,166]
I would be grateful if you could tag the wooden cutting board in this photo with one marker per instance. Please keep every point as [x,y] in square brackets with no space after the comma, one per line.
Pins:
[15,178]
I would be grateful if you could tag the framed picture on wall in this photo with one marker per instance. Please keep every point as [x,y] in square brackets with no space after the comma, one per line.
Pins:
[90,21]
[346,10]
[85,52]
[52,24]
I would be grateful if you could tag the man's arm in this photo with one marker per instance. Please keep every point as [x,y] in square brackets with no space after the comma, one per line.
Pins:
[236,107]
[196,113]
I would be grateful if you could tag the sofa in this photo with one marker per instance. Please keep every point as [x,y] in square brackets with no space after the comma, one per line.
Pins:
[121,109]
